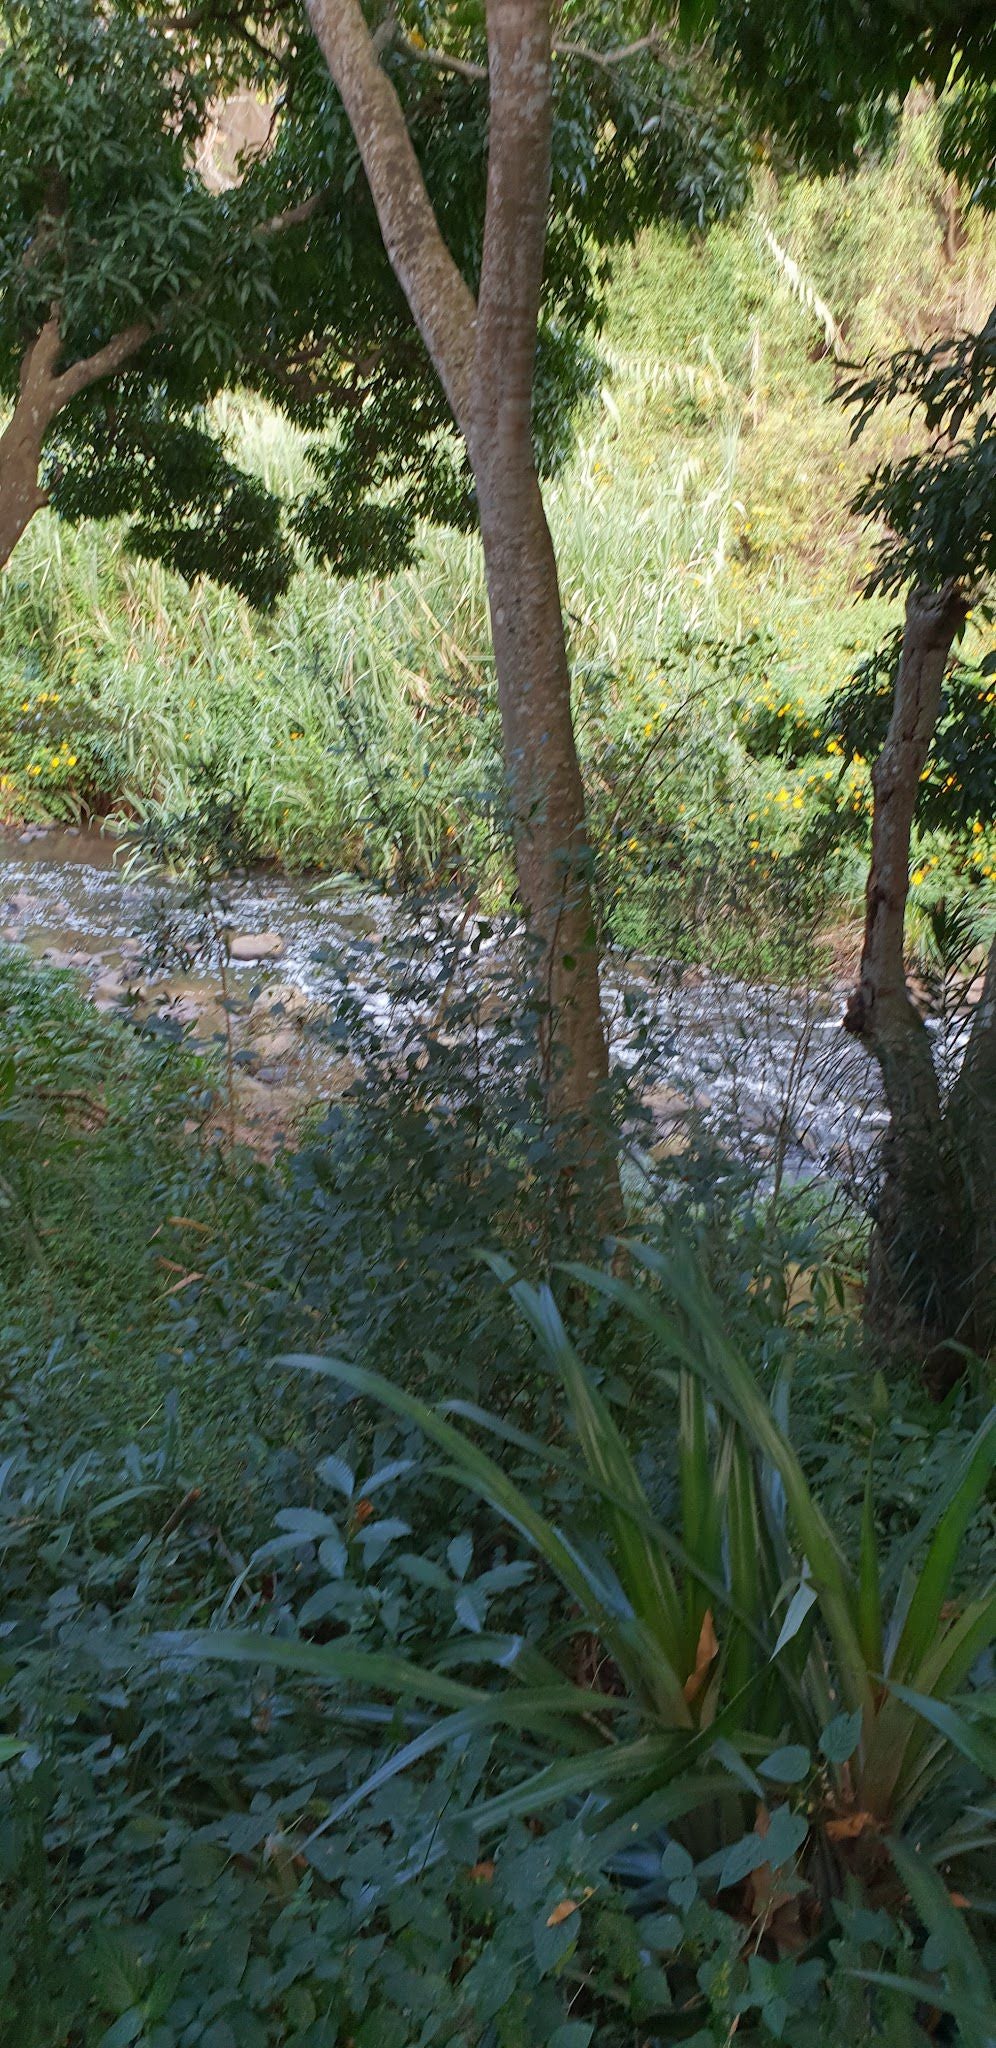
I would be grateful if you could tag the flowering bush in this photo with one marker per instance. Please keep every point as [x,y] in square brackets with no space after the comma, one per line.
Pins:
[53,747]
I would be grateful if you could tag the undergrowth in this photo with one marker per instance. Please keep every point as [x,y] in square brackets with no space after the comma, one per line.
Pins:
[169,1870]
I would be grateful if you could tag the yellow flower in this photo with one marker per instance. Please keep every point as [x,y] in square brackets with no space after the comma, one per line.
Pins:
[917,877]
[781,796]
[70,760]
[797,802]
[977,828]
[33,770]
[648,729]
[26,706]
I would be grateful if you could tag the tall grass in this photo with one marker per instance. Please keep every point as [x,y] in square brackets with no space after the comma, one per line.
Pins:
[705,505]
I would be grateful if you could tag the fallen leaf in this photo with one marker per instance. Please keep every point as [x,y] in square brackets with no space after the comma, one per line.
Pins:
[562,1912]
[850,1826]
[705,1654]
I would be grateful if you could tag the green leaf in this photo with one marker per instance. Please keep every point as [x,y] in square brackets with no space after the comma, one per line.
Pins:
[961,1499]
[624,1638]
[640,1556]
[839,1741]
[974,1743]
[746,1855]
[967,1974]
[705,1348]
[307,1523]
[869,1588]
[787,1766]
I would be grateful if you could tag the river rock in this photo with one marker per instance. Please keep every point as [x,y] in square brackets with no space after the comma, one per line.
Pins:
[252,946]
[281,999]
[184,1009]
[275,1045]
[23,903]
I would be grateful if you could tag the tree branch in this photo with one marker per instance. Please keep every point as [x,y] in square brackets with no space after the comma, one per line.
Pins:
[464,67]
[442,303]
[652,44]
[294,216]
[103,362]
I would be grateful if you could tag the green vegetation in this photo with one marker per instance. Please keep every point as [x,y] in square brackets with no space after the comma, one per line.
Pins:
[546,1754]
[474,1580]
[712,579]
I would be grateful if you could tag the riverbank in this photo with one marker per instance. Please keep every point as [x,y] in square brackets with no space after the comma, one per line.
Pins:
[291,983]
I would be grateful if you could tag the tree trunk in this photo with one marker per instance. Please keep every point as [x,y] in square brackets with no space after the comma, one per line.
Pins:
[527,623]
[44,390]
[21,442]
[552,857]
[921,1266]
[972,1119]
[484,355]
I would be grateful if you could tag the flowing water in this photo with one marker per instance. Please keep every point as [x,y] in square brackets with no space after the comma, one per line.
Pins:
[770,1073]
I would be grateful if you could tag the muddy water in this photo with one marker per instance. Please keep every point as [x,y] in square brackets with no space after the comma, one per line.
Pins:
[773,1076]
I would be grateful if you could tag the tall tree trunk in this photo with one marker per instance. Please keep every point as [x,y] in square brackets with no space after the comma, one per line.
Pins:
[919,1275]
[484,354]
[534,684]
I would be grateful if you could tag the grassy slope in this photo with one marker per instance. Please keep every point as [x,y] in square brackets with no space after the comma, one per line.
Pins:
[709,566]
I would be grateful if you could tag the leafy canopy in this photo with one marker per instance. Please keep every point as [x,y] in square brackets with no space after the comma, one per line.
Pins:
[274,279]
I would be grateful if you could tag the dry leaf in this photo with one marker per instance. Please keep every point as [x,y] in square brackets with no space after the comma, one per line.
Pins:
[562,1912]
[850,1827]
[704,1656]
[481,1873]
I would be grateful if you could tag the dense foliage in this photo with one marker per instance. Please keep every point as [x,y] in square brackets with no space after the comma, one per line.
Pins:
[195,1850]
[266,270]
[412,1637]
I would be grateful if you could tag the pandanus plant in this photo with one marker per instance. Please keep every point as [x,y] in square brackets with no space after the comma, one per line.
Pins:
[741,1640]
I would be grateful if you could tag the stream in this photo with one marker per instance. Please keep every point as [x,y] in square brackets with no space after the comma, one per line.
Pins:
[769,1073]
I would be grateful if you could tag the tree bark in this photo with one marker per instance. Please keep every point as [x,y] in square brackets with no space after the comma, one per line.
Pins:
[21,442]
[484,355]
[534,686]
[919,1259]
[44,390]
[972,1118]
